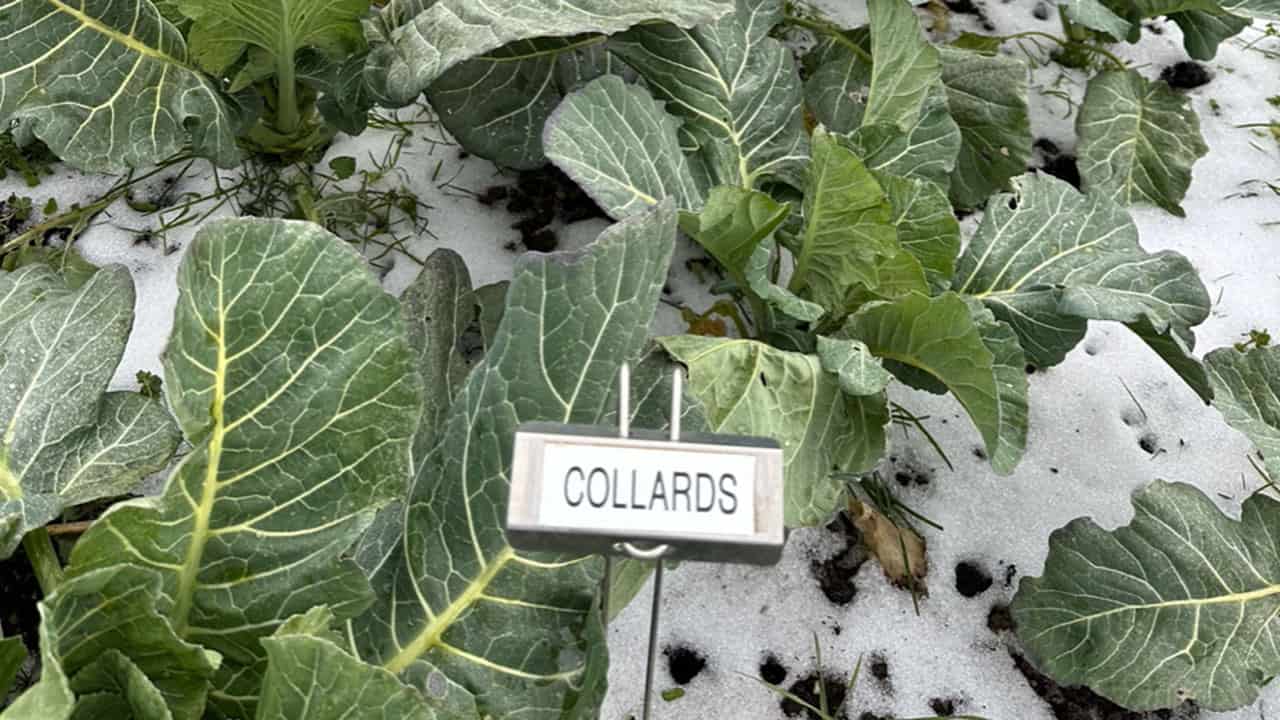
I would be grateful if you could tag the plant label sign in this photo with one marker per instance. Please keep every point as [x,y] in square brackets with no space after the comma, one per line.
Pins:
[582,489]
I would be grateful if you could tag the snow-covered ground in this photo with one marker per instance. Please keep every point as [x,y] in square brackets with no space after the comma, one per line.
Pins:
[1085,454]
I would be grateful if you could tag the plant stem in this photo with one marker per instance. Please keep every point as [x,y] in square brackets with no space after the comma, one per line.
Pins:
[1089,47]
[43,559]
[287,116]
[826,28]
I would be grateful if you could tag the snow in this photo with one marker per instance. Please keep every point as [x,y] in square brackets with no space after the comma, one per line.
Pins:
[1083,457]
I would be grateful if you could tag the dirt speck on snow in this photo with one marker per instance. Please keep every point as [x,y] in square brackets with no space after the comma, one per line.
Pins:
[1186,75]
[835,573]
[971,578]
[684,663]
[772,670]
[834,688]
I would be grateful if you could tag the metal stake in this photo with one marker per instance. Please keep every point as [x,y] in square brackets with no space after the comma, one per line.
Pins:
[658,552]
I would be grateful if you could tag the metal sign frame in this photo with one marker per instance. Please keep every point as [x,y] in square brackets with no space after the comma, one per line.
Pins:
[525,531]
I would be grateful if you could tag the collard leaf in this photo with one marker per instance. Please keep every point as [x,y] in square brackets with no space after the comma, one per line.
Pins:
[1245,387]
[113,686]
[1138,140]
[859,372]
[571,320]
[496,105]
[1048,257]
[939,336]
[906,64]
[750,388]
[838,78]
[927,228]
[1256,9]
[1095,15]
[1174,345]
[108,636]
[311,677]
[736,87]
[289,371]
[733,223]
[108,85]
[64,440]
[848,227]
[987,95]
[447,33]
[13,653]
[620,145]
[928,150]
[223,30]
[1204,30]
[1180,604]
[760,281]
[51,697]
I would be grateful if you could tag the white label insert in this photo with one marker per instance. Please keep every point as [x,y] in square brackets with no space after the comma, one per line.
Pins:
[648,489]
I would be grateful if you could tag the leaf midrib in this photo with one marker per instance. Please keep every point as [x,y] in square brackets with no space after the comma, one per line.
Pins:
[114,35]
[209,491]
[1227,599]
[433,633]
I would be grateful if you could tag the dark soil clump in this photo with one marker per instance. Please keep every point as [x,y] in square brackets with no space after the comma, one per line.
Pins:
[968,7]
[806,688]
[879,668]
[542,197]
[772,670]
[1080,703]
[1063,167]
[835,574]
[971,579]
[684,663]
[943,707]
[1186,75]
[1000,619]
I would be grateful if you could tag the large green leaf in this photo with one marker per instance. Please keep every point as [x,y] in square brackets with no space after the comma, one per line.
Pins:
[838,76]
[906,64]
[1047,258]
[987,95]
[107,85]
[106,634]
[1204,30]
[848,226]
[733,223]
[289,372]
[1138,140]
[736,87]
[519,632]
[418,50]
[939,336]
[622,147]
[13,653]
[310,676]
[51,697]
[928,150]
[497,104]
[927,228]
[1246,390]
[1256,9]
[1095,15]
[1180,604]
[63,439]
[750,388]
[225,29]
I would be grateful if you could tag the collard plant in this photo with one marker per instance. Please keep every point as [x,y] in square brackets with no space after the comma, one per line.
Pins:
[1180,604]
[841,244]
[284,76]
[110,85]
[333,538]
